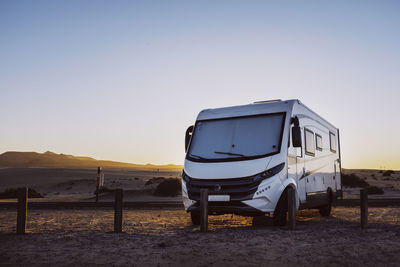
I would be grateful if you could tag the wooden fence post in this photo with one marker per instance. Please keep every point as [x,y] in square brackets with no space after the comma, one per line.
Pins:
[22,208]
[364,208]
[98,183]
[291,208]
[118,207]
[203,210]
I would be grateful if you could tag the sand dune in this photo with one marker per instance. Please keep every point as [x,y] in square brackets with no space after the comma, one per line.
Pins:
[49,159]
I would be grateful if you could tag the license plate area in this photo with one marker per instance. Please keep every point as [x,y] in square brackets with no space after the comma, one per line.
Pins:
[219,198]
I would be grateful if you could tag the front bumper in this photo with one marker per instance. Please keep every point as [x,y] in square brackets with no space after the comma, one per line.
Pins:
[261,199]
[218,208]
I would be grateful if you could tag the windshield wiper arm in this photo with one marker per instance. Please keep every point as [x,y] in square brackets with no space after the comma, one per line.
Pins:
[196,156]
[229,153]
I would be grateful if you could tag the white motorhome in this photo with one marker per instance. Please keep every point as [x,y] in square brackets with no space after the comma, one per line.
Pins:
[247,156]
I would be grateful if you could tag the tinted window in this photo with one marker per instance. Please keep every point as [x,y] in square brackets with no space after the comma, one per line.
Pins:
[318,142]
[332,140]
[309,142]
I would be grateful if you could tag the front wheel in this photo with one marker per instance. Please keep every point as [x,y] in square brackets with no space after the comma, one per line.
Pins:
[280,213]
[195,216]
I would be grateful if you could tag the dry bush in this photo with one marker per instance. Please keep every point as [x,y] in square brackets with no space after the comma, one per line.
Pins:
[155,180]
[353,180]
[388,173]
[168,188]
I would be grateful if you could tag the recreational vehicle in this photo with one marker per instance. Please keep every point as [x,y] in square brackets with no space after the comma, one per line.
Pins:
[248,156]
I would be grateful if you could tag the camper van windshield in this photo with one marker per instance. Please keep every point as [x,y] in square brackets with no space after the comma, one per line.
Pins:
[237,138]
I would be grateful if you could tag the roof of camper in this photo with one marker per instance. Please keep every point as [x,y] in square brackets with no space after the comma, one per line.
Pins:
[261,107]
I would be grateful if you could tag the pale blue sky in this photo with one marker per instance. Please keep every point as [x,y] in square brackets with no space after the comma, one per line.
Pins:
[122,80]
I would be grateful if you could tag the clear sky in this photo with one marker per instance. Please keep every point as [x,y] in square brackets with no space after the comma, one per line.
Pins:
[122,80]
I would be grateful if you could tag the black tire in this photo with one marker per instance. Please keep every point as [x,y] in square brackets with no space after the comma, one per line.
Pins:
[280,213]
[195,216]
[325,211]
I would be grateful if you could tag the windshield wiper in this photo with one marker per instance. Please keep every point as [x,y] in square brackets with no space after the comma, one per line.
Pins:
[192,155]
[229,153]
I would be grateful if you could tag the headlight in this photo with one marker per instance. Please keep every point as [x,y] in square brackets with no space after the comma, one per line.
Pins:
[268,173]
[185,177]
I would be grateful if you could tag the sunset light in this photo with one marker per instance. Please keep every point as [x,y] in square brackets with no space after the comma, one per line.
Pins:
[123,81]
[199,133]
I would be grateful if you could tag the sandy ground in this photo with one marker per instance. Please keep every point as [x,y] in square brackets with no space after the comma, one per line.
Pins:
[68,184]
[166,238]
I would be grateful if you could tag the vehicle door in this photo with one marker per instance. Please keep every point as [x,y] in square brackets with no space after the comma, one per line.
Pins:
[295,169]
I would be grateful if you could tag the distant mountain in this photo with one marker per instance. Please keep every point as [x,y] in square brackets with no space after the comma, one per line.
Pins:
[49,159]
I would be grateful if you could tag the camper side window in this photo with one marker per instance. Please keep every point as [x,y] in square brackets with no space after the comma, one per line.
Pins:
[318,142]
[332,141]
[309,142]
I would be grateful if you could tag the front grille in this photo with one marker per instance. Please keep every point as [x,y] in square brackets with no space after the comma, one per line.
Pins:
[237,188]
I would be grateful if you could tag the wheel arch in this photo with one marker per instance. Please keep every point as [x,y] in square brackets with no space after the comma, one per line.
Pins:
[286,184]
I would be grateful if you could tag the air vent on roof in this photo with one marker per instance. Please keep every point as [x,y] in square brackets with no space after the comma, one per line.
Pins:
[267,101]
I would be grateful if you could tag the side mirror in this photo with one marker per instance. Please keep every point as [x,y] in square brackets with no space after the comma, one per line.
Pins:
[296,136]
[188,136]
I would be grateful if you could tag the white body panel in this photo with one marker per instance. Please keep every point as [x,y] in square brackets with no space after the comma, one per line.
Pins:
[310,175]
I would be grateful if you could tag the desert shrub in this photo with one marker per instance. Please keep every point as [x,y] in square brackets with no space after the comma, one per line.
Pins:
[168,188]
[353,180]
[154,180]
[13,193]
[374,190]
[388,173]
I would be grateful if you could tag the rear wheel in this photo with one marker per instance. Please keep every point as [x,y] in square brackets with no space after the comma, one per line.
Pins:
[280,213]
[195,216]
[325,211]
